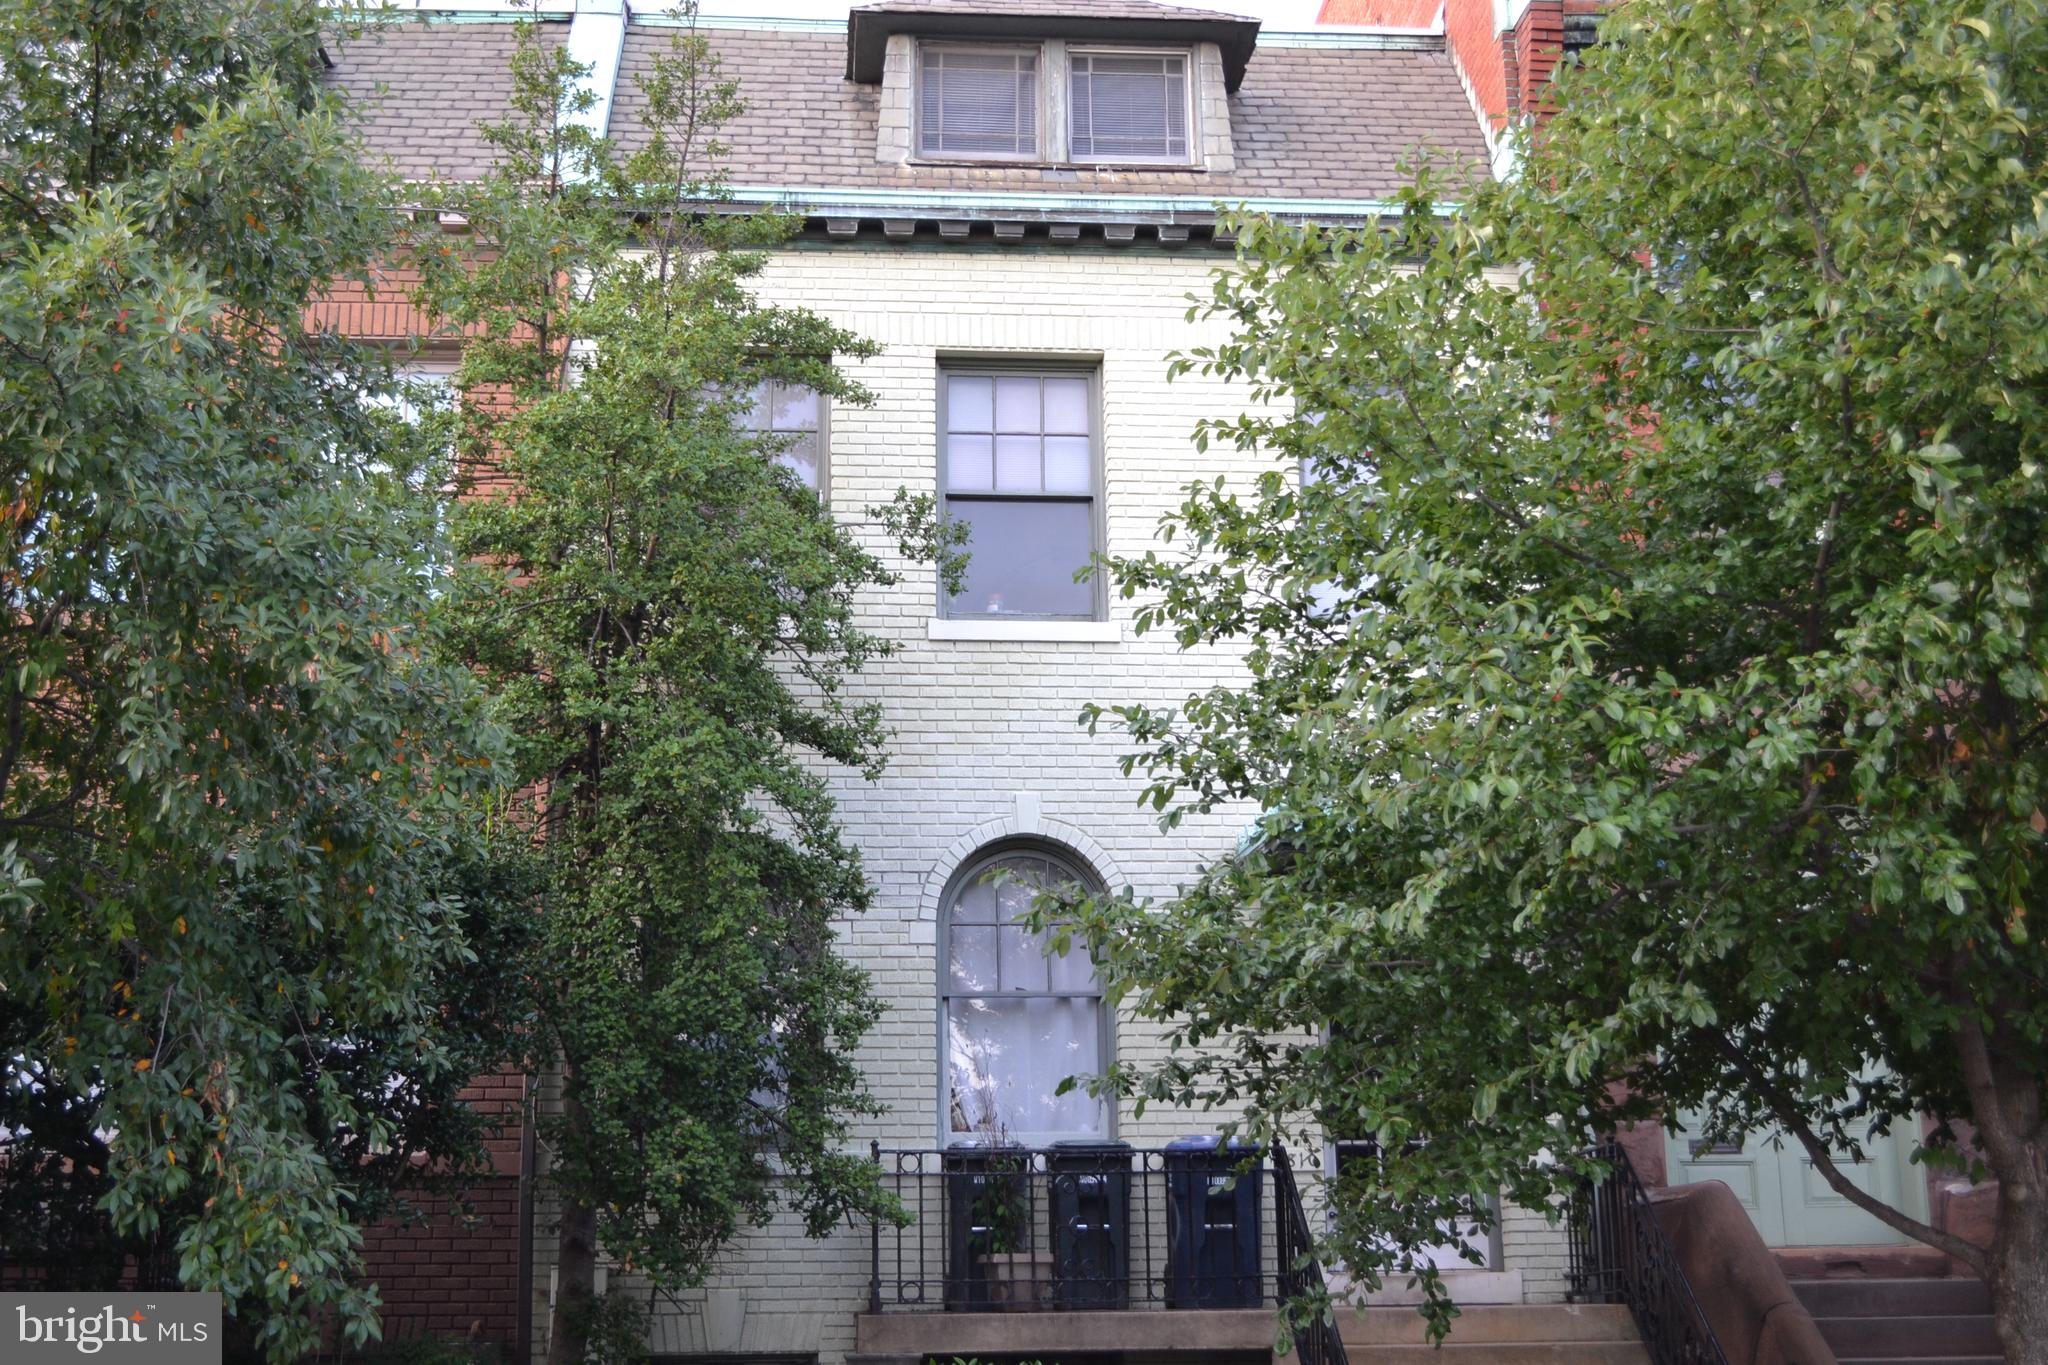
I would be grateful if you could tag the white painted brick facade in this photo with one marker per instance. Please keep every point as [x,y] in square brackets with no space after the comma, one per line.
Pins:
[986,740]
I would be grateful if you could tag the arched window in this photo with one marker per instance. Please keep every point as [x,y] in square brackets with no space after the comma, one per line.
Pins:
[1015,1021]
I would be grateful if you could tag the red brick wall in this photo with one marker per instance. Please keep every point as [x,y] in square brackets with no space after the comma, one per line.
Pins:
[1386,13]
[1476,48]
[450,1279]
[457,1277]
[1536,44]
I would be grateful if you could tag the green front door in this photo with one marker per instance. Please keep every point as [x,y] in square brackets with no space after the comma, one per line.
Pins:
[1790,1202]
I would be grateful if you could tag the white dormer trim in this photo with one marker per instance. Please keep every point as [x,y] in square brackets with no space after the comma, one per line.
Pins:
[597,40]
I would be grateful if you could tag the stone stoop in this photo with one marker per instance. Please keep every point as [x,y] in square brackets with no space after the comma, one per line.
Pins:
[1944,1321]
[1522,1334]
[1499,1334]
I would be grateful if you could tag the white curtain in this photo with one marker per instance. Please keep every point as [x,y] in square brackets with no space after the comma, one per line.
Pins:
[1009,1057]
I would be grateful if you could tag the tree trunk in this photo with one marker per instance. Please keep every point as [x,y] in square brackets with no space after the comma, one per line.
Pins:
[575,1284]
[2018,1271]
[575,1263]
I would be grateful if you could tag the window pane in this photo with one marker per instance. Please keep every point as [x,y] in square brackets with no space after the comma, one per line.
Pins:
[979,103]
[802,456]
[970,403]
[976,902]
[1129,108]
[968,463]
[1005,1059]
[1023,960]
[1072,971]
[756,406]
[1023,556]
[1066,406]
[1067,465]
[1017,464]
[1016,891]
[973,952]
[1017,403]
[795,409]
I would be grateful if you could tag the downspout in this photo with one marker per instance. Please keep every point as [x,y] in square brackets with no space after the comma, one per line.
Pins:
[524,1352]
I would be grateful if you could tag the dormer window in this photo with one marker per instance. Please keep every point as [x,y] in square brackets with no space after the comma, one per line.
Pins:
[1053,102]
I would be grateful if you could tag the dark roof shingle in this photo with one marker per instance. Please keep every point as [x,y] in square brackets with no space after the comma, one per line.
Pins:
[1322,123]
[421,89]
[1308,123]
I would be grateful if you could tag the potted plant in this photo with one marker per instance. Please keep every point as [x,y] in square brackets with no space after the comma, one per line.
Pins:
[1018,1277]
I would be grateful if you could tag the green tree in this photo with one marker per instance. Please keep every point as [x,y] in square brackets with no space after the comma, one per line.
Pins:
[667,613]
[234,791]
[1647,696]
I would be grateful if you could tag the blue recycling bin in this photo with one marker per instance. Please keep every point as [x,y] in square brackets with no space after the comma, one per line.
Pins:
[1213,1223]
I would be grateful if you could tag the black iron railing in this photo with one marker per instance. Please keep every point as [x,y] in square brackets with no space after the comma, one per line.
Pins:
[1619,1254]
[1079,1226]
[1316,1338]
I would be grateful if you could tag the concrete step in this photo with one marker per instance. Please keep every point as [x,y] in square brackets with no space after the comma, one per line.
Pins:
[1518,1324]
[1953,1334]
[1505,1353]
[1893,1298]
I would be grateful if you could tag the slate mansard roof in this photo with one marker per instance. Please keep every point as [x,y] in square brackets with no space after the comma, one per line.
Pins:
[1320,120]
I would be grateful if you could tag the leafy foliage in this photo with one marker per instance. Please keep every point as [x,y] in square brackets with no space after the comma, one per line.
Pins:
[666,612]
[234,792]
[1646,695]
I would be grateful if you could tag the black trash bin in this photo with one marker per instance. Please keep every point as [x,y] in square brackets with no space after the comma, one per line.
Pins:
[1091,1219]
[1212,1224]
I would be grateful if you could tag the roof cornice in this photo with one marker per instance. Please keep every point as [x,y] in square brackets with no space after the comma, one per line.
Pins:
[868,31]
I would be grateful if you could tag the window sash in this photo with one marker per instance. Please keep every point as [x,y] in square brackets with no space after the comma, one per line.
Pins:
[780,409]
[1092,137]
[1010,438]
[963,94]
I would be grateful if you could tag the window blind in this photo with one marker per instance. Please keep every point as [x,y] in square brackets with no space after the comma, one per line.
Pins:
[1127,108]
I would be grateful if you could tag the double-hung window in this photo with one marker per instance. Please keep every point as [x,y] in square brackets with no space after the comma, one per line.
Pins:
[795,416]
[978,102]
[1018,470]
[1127,106]
[1016,1019]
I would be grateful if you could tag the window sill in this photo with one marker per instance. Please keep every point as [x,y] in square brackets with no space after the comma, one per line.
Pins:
[1014,164]
[1044,632]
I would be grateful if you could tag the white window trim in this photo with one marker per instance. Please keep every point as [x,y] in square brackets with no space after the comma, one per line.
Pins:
[1032,630]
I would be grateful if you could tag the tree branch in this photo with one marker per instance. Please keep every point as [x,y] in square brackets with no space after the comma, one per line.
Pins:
[1792,1120]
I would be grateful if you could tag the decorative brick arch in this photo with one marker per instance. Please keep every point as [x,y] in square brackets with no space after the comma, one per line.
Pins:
[1025,825]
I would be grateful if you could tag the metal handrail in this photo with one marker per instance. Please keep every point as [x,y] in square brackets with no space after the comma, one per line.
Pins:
[1317,1340]
[1619,1254]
